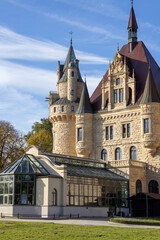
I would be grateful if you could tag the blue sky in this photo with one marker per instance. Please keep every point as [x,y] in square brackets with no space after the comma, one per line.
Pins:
[34,35]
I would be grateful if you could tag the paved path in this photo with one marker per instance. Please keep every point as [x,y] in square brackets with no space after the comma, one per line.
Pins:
[85,221]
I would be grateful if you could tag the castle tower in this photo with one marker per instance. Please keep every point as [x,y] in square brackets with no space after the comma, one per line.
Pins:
[132,30]
[64,104]
[150,107]
[84,125]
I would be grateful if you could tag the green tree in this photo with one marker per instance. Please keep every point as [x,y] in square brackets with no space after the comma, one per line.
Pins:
[41,135]
[12,144]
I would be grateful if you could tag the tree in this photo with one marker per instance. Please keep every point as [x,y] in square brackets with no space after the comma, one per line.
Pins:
[12,144]
[41,135]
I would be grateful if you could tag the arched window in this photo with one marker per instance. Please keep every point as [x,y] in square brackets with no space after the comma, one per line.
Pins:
[72,74]
[104,155]
[138,186]
[133,153]
[54,193]
[118,154]
[153,186]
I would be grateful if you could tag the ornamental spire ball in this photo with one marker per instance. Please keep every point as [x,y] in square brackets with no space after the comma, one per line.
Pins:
[132,3]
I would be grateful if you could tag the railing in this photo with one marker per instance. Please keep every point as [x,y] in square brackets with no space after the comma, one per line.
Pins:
[119,163]
[125,163]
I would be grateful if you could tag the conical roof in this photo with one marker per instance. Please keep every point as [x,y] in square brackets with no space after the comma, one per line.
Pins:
[150,91]
[70,56]
[69,62]
[132,20]
[85,104]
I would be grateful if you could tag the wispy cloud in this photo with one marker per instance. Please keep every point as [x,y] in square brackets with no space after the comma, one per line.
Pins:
[150,26]
[103,7]
[17,46]
[27,79]
[23,91]
[21,109]
[85,26]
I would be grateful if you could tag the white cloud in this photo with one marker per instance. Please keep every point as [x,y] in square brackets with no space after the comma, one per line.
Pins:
[16,46]
[103,7]
[27,79]
[87,27]
[21,109]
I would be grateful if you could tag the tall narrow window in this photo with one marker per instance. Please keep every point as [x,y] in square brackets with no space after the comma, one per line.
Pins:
[54,201]
[116,96]
[124,130]
[128,130]
[107,133]
[104,155]
[133,153]
[138,186]
[111,132]
[146,125]
[72,108]
[121,95]
[72,74]
[62,108]
[118,154]
[79,134]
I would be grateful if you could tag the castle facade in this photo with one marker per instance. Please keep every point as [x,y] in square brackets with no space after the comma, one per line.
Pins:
[120,122]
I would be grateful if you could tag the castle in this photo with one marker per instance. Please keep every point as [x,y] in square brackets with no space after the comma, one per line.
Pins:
[120,122]
[106,149]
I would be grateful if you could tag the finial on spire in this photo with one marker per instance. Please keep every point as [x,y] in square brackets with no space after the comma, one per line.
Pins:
[85,78]
[131,3]
[117,47]
[71,33]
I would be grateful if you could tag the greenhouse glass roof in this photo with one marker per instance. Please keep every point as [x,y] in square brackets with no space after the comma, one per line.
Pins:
[27,164]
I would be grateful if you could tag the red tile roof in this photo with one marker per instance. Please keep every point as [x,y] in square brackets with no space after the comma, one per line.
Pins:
[138,60]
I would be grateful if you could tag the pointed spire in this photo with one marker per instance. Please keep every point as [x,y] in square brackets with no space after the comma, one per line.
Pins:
[85,104]
[71,57]
[132,18]
[132,30]
[150,93]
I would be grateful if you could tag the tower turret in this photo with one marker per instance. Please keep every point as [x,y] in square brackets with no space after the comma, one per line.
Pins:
[150,107]
[63,105]
[84,125]
[132,30]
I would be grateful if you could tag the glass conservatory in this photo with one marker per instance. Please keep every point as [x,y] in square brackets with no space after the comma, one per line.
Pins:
[18,181]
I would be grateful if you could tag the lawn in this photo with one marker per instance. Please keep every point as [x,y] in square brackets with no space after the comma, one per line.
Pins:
[51,231]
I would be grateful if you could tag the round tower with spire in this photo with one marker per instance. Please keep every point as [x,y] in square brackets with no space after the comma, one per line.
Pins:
[64,104]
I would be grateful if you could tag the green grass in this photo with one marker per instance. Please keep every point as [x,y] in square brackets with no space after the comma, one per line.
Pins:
[139,221]
[51,231]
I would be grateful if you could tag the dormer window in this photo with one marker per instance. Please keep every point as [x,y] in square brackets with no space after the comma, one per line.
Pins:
[118,81]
